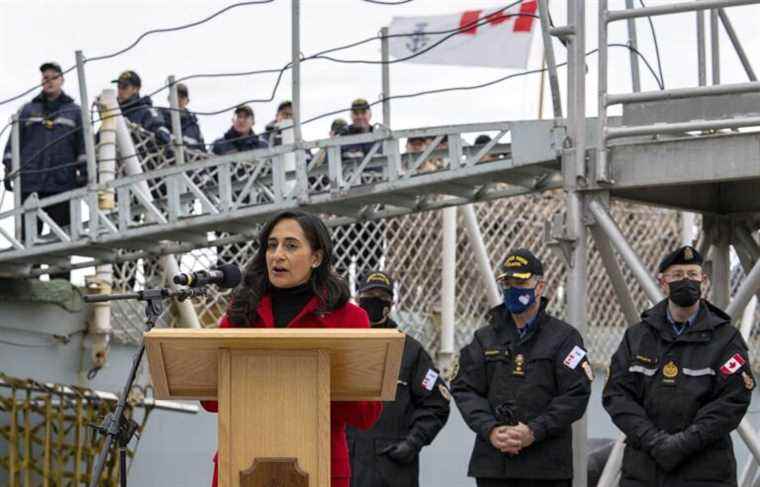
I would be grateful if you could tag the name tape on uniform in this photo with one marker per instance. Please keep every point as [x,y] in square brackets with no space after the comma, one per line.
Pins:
[574,357]
[430,378]
[732,365]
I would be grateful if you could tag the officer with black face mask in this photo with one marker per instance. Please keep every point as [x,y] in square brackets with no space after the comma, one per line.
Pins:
[521,383]
[679,383]
[388,454]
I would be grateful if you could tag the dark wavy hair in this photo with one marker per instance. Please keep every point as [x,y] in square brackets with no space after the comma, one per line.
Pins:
[326,284]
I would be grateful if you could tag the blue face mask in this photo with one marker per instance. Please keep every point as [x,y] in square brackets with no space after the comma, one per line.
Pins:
[518,299]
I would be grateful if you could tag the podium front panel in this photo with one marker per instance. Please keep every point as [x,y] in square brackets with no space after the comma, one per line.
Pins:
[274,405]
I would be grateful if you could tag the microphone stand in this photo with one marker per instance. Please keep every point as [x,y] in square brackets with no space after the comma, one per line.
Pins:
[117,428]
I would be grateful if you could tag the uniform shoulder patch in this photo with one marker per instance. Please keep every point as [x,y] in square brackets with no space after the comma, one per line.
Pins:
[444,392]
[732,365]
[749,382]
[587,369]
[429,381]
[453,369]
[574,357]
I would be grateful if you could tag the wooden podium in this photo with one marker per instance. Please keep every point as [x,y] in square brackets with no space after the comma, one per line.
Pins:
[274,388]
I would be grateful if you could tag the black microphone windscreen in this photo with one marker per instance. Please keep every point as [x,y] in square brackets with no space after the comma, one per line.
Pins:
[232,276]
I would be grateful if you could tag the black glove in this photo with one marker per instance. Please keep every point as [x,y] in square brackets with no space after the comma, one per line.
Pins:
[7,183]
[403,452]
[649,440]
[671,451]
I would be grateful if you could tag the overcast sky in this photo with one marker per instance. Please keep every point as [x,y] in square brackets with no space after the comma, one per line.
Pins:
[258,37]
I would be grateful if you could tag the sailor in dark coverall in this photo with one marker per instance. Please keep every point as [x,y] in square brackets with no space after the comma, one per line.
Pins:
[387,455]
[521,383]
[679,383]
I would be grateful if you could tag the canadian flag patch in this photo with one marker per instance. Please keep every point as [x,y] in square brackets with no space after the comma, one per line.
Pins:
[574,357]
[732,365]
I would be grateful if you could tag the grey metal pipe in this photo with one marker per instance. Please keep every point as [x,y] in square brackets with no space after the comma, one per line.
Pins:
[714,47]
[721,270]
[617,279]
[672,94]
[386,72]
[551,61]
[669,128]
[633,42]
[749,286]
[602,164]
[737,44]
[701,54]
[674,8]
[575,168]
[179,145]
[749,435]
[16,171]
[89,137]
[748,473]
[611,230]
[611,473]
[481,254]
[295,30]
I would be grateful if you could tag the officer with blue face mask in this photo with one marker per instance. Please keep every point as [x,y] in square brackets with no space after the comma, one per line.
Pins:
[521,383]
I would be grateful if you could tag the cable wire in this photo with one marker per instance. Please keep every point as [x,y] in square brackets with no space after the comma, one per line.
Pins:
[656,47]
[140,38]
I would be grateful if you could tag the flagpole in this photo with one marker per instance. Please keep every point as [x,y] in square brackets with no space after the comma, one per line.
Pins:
[541,88]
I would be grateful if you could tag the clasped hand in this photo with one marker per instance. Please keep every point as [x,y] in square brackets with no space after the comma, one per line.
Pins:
[511,439]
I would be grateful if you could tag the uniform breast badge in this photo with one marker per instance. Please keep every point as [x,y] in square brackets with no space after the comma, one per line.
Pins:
[519,365]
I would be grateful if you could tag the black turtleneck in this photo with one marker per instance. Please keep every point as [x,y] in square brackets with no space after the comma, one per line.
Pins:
[288,302]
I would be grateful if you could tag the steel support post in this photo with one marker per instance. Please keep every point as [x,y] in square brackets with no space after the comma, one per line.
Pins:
[633,42]
[481,254]
[640,272]
[386,75]
[448,281]
[617,279]
[574,168]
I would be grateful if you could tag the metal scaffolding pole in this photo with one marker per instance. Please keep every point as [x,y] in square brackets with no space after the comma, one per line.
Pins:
[574,170]
[714,47]
[602,244]
[481,254]
[633,42]
[386,72]
[640,272]
[701,51]
[179,144]
[721,267]
[448,281]
[16,171]
[551,62]
[737,44]
[89,137]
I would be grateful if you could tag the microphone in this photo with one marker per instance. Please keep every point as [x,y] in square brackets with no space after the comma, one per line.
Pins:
[225,276]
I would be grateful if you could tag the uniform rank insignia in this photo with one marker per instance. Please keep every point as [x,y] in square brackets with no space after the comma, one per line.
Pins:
[587,369]
[444,392]
[670,371]
[749,383]
[519,365]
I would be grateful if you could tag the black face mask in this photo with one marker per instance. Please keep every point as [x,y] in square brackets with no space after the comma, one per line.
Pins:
[377,309]
[685,292]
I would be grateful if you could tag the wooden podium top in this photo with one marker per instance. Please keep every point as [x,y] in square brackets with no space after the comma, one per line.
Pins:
[364,363]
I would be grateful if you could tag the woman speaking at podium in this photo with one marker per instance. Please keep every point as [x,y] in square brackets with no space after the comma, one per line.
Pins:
[290,283]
